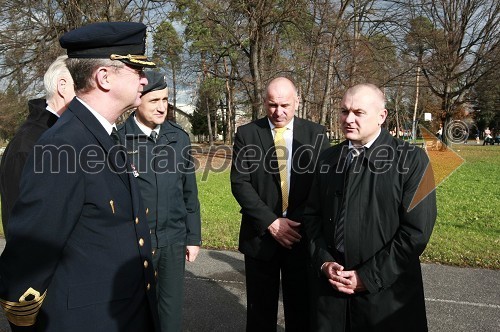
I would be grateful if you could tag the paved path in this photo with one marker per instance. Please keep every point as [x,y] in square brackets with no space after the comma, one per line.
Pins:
[457,299]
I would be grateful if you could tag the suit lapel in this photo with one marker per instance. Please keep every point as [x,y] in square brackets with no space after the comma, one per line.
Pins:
[100,134]
[299,136]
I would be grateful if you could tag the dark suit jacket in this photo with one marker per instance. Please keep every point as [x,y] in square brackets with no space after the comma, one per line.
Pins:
[18,150]
[391,210]
[79,233]
[255,180]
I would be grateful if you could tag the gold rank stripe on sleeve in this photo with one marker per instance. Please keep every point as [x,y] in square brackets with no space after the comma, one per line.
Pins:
[24,312]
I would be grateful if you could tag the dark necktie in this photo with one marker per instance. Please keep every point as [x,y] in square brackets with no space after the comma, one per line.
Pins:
[153,135]
[115,137]
[351,159]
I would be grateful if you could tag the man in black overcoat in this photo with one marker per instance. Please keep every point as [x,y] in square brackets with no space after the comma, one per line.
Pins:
[78,252]
[43,113]
[272,202]
[370,214]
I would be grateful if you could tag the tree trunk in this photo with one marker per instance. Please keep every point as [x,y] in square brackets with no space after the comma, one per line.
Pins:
[171,113]
[415,108]
[255,72]
[216,131]
[329,78]
[209,125]
[229,106]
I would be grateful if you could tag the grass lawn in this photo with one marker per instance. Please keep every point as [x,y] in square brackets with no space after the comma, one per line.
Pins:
[219,211]
[467,231]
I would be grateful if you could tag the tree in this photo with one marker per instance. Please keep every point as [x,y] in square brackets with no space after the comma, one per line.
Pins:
[486,94]
[465,34]
[13,110]
[210,93]
[167,51]
[29,38]
[418,43]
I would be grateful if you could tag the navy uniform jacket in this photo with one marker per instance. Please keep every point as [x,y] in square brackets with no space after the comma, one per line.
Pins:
[255,180]
[78,240]
[165,172]
[391,210]
[18,150]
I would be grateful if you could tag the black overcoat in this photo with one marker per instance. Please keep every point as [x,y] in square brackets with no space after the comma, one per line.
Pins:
[391,210]
[17,151]
[78,234]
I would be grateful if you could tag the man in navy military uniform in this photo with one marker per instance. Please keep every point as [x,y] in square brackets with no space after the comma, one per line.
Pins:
[78,253]
[159,151]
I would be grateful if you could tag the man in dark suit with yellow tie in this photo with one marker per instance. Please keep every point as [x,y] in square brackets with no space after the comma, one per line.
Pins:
[78,253]
[271,174]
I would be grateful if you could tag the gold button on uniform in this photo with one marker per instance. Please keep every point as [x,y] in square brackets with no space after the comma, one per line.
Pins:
[141,242]
[137,220]
[146,264]
[153,252]
[147,211]
[156,274]
[148,286]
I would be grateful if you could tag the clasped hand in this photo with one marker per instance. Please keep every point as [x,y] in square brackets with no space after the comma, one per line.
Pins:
[285,231]
[347,282]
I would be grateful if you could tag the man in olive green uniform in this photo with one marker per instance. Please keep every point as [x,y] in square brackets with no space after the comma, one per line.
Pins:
[159,152]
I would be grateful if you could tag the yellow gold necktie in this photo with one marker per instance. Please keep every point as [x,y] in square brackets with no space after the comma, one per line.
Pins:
[281,155]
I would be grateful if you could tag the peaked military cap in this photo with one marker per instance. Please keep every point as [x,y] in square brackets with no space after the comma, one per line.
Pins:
[156,81]
[124,41]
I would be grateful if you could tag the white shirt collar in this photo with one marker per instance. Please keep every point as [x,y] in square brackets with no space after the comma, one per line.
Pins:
[105,123]
[48,108]
[288,126]
[369,144]
[145,129]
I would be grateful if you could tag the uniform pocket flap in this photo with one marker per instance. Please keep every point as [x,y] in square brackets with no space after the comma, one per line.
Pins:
[98,292]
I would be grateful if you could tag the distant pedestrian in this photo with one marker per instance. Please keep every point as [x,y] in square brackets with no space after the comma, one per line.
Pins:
[488,139]
[439,133]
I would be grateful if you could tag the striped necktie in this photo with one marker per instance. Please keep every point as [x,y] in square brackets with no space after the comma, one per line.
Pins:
[281,155]
[351,159]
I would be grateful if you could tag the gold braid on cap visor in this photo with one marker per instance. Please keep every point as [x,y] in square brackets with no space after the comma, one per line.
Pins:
[24,312]
[139,59]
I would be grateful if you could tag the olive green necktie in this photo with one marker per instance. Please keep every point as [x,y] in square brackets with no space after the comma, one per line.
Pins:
[153,135]
[281,155]
[115,137]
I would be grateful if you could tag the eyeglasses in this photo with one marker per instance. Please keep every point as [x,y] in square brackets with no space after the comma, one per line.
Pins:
[138,71]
